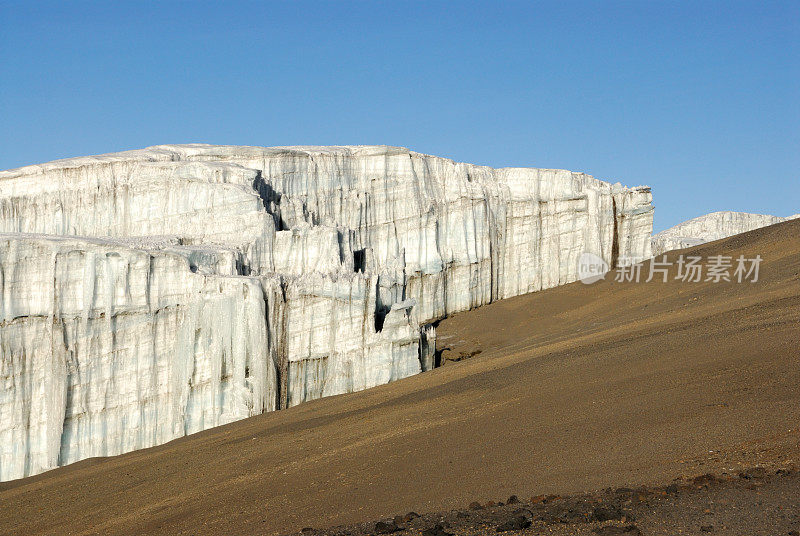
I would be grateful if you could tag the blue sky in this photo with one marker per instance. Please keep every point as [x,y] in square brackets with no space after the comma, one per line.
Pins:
[700,100]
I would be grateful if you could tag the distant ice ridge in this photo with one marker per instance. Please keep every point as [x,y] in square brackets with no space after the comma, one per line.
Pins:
[710,227]
[155,293]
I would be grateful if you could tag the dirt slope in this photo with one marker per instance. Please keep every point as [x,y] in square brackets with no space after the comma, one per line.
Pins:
[574,388]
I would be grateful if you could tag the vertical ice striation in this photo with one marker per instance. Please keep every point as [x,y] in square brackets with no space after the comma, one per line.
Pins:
[107,349]
[154,293]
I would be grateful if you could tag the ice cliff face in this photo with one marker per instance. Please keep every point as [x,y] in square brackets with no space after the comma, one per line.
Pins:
[155,293]
[710,227]
[106,349]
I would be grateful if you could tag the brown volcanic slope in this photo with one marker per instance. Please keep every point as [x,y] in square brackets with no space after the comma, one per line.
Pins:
[575,388]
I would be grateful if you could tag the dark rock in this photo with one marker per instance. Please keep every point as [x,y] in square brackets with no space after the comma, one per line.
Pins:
[794,533]
[606,513]
[704,480]
[672,489]
[436,530]
[512,500]
[753,472]
[576,510]
[707,528]
[515,523]
[614,530]
[382,527]
[449,354]
[307,530]
[544,499]
[475,505]
[410,516]
[547,518]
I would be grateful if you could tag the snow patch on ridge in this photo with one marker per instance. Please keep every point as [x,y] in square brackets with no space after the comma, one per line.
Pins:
[710,227]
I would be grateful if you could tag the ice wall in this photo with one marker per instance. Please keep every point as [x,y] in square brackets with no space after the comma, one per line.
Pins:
[710,227]
[107,349]
[154,293]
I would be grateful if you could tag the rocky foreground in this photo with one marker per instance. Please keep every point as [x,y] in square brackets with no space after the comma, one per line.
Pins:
[754,501]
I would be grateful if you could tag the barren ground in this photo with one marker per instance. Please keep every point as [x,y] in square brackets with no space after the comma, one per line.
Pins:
[574,389]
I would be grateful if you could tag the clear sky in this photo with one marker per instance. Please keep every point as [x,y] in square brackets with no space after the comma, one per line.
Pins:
[699,99]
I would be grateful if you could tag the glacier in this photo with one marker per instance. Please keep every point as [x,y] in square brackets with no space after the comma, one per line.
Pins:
[710,227]
[154,293]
